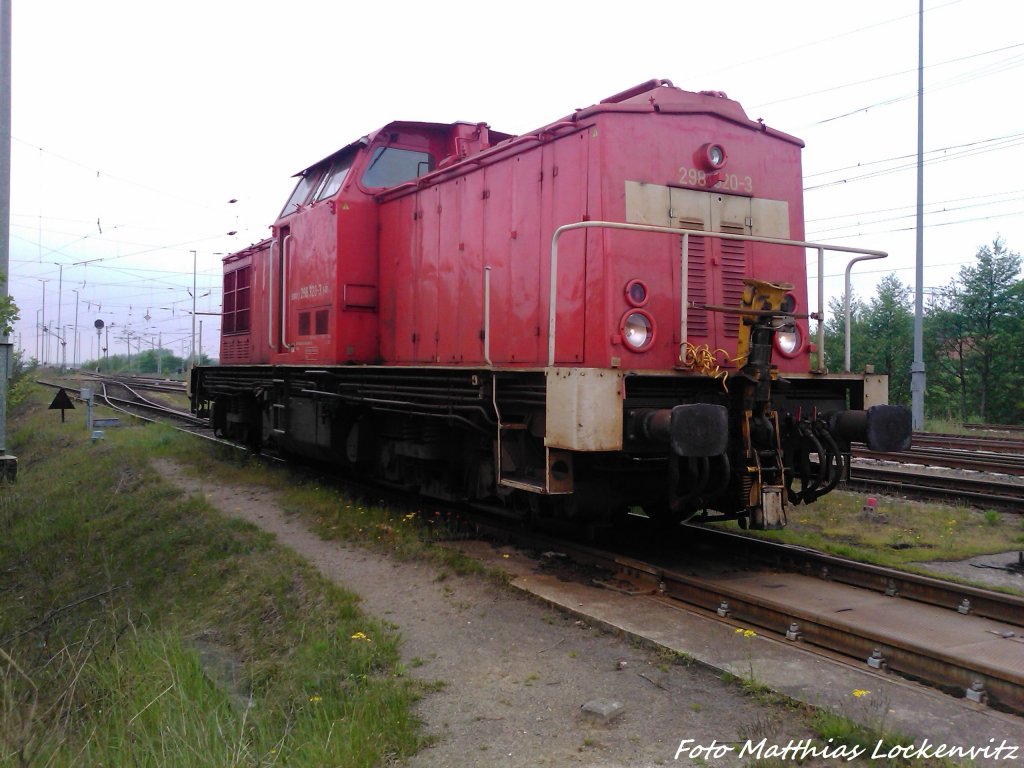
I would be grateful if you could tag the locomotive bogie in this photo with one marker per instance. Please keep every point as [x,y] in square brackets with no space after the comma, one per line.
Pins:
[608,313]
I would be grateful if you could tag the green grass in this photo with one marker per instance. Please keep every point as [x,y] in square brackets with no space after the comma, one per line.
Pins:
[140,627]
[903,532]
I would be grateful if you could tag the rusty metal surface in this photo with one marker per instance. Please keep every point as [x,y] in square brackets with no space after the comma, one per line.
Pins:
[934,643]
[946,594]
[948,649]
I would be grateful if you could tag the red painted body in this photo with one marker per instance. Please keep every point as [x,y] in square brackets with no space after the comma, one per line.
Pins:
[400,272]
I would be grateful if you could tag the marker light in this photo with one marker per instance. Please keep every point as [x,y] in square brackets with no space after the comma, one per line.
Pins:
[712,156]
[637,330]
[636,293]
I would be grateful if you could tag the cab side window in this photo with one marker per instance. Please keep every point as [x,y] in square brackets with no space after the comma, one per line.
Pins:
[390,166]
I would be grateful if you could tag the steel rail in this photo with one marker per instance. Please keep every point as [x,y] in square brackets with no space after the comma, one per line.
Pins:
[979,491]
[968,442]
[951,458]
[141,402]
[193,428]
[888,650]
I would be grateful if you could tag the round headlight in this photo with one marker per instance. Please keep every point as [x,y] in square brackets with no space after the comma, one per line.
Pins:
[637,331]
[636,293]
[712,156]
[788,339]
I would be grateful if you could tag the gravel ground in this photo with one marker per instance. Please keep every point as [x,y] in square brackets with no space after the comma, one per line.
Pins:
[1004,569]
[517,673]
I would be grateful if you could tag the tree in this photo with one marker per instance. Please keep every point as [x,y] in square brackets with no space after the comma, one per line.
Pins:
[976,322]
[946,353]
[880,336]
[835,335]
[889,331]
[8,311]
[992,307]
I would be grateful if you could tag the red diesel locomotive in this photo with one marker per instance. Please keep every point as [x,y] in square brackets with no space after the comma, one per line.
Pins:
[608,313]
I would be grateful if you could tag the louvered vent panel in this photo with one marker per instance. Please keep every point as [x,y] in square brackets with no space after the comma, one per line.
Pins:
[234,348]
[697,274]
[734,269]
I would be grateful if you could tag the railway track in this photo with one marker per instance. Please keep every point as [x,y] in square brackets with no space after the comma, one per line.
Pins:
[984,491]
[966,641]
[995,427]
[138,406]
[141,382]
[953,458]
[968,442]
[917,473]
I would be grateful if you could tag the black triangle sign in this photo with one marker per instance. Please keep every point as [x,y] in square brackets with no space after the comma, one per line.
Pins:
[61,402]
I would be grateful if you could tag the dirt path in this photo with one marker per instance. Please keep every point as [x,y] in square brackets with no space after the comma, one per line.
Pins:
[517,673]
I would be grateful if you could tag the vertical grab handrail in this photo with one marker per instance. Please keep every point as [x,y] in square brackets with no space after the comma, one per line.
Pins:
[284,292]
[821,310]
[684,287]
[846,308]
[271,266]
[685,233]
[487,315]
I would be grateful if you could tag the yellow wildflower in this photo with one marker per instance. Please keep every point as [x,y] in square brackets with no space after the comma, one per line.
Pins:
[860,692]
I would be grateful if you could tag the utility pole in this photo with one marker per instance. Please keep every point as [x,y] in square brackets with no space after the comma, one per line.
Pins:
[62,351]
[42,326]
[75,355]
[192,353]
[128,338]
[8,463]
[917,375]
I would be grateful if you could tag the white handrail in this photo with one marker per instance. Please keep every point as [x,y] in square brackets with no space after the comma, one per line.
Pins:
[820,247]
[846,308]
[271,266]
[487,315]
[284,292]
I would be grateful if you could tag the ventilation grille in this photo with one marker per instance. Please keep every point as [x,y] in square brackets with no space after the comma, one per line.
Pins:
[734,270]
[697,291]
[234,348]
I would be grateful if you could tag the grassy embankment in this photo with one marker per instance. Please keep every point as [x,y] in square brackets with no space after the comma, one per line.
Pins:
[140,627]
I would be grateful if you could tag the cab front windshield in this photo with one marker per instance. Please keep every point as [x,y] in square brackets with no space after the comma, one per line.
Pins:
[319,182]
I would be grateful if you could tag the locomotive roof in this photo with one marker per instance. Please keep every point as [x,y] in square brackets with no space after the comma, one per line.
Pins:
[661,96]
[392,126]
[652,96]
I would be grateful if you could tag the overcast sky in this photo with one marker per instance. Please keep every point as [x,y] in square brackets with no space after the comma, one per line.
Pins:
[135,123]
